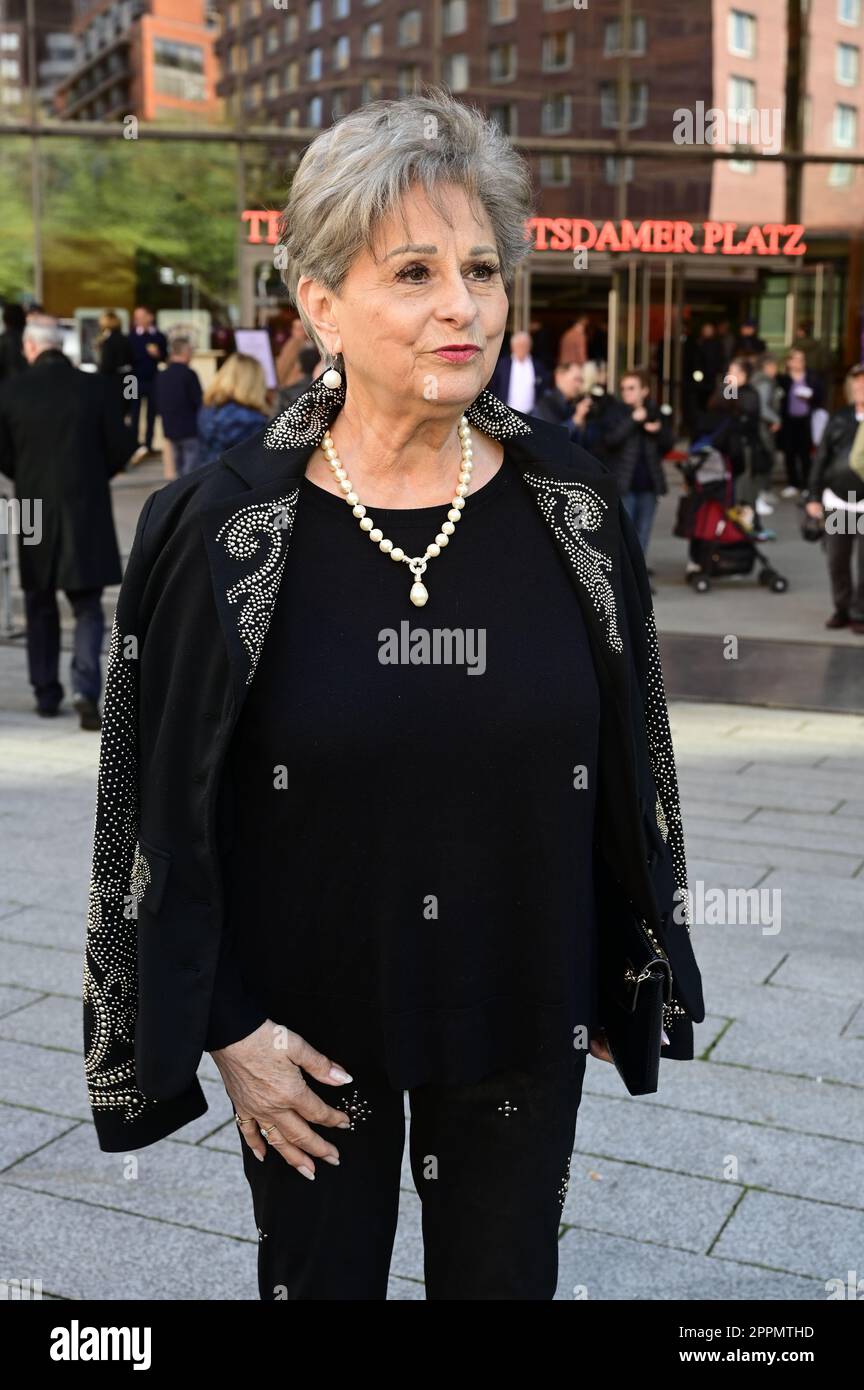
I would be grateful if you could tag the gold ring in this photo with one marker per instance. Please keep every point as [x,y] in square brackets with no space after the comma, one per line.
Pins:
[265,1132]
[247,1121]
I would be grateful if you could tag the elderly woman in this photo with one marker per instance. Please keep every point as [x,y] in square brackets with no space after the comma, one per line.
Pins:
[325,850]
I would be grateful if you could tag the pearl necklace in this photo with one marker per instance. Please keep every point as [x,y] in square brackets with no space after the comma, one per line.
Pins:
[417,563]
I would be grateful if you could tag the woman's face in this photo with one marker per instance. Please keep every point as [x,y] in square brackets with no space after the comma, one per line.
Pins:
[428,287]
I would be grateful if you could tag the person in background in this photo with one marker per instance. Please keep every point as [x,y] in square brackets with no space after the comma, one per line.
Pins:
[519,378]
[111,347]
[178,400]
[748,343]
[147,348]
[836,491]
[765,384]
[802,394]
[703,361]
[566,402]
[725,342]
[235,406]
[635,438]
[62,437]
[573,346]
[12,357]
[308,359]
[288,369]
[540,343]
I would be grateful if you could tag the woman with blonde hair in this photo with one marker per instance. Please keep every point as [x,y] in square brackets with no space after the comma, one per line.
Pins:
[234,406]
[367,857]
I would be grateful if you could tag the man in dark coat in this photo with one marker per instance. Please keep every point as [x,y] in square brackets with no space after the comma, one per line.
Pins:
[147,348]
[520,378]
[61,438]
[636,435]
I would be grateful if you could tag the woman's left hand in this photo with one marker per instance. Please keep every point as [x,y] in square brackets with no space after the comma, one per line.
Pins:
[600,1047]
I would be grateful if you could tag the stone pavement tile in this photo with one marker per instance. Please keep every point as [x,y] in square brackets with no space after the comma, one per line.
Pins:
[754,958]
[405,1290]
[22,1131]
[719,845]
[800,831]
[845,829]
[42,1078]
[659,1137]
[686,1212]
[720,873]
[45,968]
[708,808]
[22,888]
[782,1012]
[12,998]
[814,1050]
[407,1259]
[609,1267]
[53,1021]
[698,785]
[855,1027]
[841,783]
[46,926]
[813,1238]
[187,1184]
[740,1093]
[88,1252]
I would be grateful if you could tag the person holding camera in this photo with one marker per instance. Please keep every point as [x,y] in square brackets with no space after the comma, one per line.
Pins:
[636,435]
[836,493]
[566,402]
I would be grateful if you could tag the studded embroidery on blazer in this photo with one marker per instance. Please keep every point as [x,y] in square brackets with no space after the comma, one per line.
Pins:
[240,535]
[582,511]
[119,873]
[663,767]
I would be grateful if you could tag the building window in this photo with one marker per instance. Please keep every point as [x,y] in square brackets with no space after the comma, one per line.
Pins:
[614,170]
[341,10]
[741,166]
[502,62]
[291,76]
[558,4]
[555,114]
[178,70]
[272,39]
[371,89]
[456,71]
[410,25]
[557,52]
[609,114]
[292,30]
[314,18]
[338,104]
[291,119]
[254,50]
[845,126]
[502,11]
[314,111]
[847,64]
[341,53]
[314,64]
[272,85]
[840,175]
[741,94]
[408,79]
[555,170]
[454,17]
[849,11]
[373,41]
[741,34]
[612,40]
[9,43]
[504,116]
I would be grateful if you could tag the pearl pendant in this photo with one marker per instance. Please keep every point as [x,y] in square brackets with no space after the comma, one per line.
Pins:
[419,594]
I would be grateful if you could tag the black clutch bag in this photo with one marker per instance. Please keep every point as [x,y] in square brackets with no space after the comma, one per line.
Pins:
[635,983]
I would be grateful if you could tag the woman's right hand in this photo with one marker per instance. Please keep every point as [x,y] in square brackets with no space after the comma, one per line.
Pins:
[263,1079]
[813,509]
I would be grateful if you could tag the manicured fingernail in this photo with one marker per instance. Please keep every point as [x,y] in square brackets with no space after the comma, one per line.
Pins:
[337,1074]
[257,1155]
[307,1172]
[331,1158]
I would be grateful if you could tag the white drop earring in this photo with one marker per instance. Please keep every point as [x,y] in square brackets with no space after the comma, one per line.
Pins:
[332,378]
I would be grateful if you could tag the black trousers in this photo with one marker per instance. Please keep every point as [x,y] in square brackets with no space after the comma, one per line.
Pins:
[146,392]
[43,644]
[490,1162]
[842,545]
[796,445]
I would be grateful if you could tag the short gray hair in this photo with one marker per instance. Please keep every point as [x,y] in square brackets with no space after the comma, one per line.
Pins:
[44,332]
[356,172]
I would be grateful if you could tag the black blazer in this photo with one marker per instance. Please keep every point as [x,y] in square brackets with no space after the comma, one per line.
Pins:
[192,617]
[62,437]
[500,383]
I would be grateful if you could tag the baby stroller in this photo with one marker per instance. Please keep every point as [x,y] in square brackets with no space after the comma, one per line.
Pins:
[721,534]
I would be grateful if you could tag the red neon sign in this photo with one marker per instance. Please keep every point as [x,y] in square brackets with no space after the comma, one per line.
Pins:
[654,235]
[670,237]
